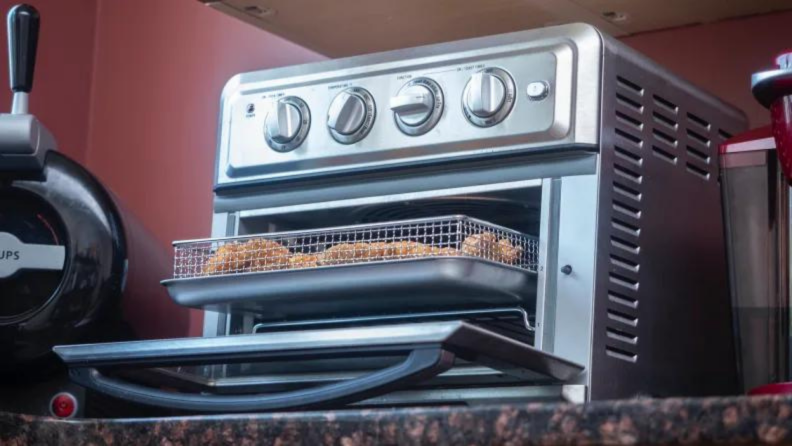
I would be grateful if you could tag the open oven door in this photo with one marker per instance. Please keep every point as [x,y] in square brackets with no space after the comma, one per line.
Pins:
[424,351]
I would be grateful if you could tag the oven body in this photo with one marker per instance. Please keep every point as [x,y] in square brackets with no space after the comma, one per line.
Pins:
[615,171]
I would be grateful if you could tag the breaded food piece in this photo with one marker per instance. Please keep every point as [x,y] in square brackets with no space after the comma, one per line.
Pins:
[228,258]
[408,249]
[508,252]
[445,252]
[341,253]
[483,245]
[298,261]
[376,251]
[267,255]
[257,254]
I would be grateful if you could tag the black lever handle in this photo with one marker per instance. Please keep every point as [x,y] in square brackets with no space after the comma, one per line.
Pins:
[23,33]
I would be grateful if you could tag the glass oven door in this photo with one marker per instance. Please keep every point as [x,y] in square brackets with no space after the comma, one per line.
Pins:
[409,355]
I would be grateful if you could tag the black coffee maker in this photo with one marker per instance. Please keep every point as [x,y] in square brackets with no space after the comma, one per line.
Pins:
[69,256]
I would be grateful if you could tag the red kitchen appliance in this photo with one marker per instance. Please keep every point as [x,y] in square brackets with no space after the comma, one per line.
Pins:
[756,167]
[773,89]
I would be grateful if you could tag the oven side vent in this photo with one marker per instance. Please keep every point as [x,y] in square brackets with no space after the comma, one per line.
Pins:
[661,277]
[630,146]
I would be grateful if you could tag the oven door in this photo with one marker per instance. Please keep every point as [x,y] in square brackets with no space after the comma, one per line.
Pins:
[412,354]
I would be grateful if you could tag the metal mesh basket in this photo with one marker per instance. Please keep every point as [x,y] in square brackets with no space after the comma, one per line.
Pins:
[451,236]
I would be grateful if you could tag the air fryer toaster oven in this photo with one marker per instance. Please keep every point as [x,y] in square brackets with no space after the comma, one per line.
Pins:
[603,161]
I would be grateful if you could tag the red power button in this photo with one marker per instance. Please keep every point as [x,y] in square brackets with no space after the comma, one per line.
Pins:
[63,405]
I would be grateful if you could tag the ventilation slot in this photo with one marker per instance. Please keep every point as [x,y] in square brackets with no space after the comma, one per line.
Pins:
[622,336]
[698,120]
[665,103]
[623,318]
[626,227]
[698,171]
[627,173]
[626,282]
[664,155]
[629,120]
[618,353]
[621,262]
[621,243]
[664,120]
[629,137]
[664,137]
[629,103]
[624,208]
[630,85]
[623,272]
[627,155]
[698,154]
[627,191]
[623,300]
[698,137]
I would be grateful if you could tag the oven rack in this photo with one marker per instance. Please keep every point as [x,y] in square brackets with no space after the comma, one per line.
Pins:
[447,236]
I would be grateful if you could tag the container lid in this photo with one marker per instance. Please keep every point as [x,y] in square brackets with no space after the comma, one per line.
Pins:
[767,86]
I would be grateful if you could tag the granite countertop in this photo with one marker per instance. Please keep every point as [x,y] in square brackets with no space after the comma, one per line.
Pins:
[740,420]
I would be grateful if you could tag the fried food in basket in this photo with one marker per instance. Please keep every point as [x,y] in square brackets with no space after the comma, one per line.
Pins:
[408,249]
[228,258]
[484,245]
[268,255]
[354,252]
[341,253]
[508,252]
[257,254]
[261,254]
[298,261]
[445,252]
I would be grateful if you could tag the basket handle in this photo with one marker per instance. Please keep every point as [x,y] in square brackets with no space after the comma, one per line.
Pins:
[420,364]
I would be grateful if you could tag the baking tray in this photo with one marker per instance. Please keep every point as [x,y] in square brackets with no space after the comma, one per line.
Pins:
[385,287]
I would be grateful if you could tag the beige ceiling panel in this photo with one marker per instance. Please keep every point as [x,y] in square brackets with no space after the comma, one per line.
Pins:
[343,27]
[346,27]
[647,15]
[339,28]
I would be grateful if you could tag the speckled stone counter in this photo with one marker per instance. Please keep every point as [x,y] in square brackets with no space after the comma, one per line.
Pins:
[759,420]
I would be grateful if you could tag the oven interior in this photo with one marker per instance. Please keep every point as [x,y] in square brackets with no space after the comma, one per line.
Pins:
[515,207]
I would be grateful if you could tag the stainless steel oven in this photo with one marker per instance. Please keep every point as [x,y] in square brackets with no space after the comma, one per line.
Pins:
[593,171]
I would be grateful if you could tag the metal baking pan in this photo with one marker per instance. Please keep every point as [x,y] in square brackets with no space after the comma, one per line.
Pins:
[420,284]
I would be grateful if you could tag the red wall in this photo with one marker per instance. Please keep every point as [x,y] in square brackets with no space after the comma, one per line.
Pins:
[61,86]
[159,69]
[720,57]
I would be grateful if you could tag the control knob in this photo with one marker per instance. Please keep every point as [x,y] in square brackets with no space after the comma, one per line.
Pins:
[351,115]
[488,97]
[287,124]
[417,106]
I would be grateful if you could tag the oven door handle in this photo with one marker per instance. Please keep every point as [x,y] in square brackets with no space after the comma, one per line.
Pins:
[420,364]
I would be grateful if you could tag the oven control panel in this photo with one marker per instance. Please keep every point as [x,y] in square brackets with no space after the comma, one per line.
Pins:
[320,118]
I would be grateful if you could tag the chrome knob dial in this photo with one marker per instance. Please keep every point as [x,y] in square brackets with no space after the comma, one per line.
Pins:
[417,106]
[485,96]
[351,115]
[286,124]
[488,97]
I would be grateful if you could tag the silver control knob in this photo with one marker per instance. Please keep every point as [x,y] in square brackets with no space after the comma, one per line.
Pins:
[287,124]
[485,96]
[284,123]
[417,106]
[488,97]
[413,105]
[351,115]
